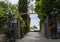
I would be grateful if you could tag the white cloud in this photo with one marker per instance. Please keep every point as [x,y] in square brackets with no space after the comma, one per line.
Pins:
[13,1]
[1,0]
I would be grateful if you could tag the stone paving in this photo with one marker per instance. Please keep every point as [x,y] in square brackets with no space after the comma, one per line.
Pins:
[36,37]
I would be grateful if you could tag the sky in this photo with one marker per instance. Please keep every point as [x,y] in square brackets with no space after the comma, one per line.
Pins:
[14,1]
[34,18]
[11,1]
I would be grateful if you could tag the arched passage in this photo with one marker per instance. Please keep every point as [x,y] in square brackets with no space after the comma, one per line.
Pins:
[27,8]
[19,24]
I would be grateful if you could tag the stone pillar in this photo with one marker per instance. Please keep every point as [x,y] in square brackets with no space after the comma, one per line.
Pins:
[17,26]
[47,30]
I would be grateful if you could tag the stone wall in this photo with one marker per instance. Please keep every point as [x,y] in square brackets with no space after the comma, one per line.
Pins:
[2,38]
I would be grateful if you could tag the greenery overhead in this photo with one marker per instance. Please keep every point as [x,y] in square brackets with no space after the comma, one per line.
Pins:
[3,8]
[47,6]
[23,7]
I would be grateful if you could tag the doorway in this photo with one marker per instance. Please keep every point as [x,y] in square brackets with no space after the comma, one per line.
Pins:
[34,22]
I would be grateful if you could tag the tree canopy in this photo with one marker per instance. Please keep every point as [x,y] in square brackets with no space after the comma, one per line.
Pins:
[23,7]
[3,8]
[47,6]
[3,11]
[35,27]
